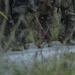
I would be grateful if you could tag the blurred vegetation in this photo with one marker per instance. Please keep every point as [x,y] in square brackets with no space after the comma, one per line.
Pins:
[53,65]
[62,65]
[32,25]
[31,29]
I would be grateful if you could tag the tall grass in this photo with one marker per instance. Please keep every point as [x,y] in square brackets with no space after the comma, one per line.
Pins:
[31,29]
[53,65]
[63,65]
